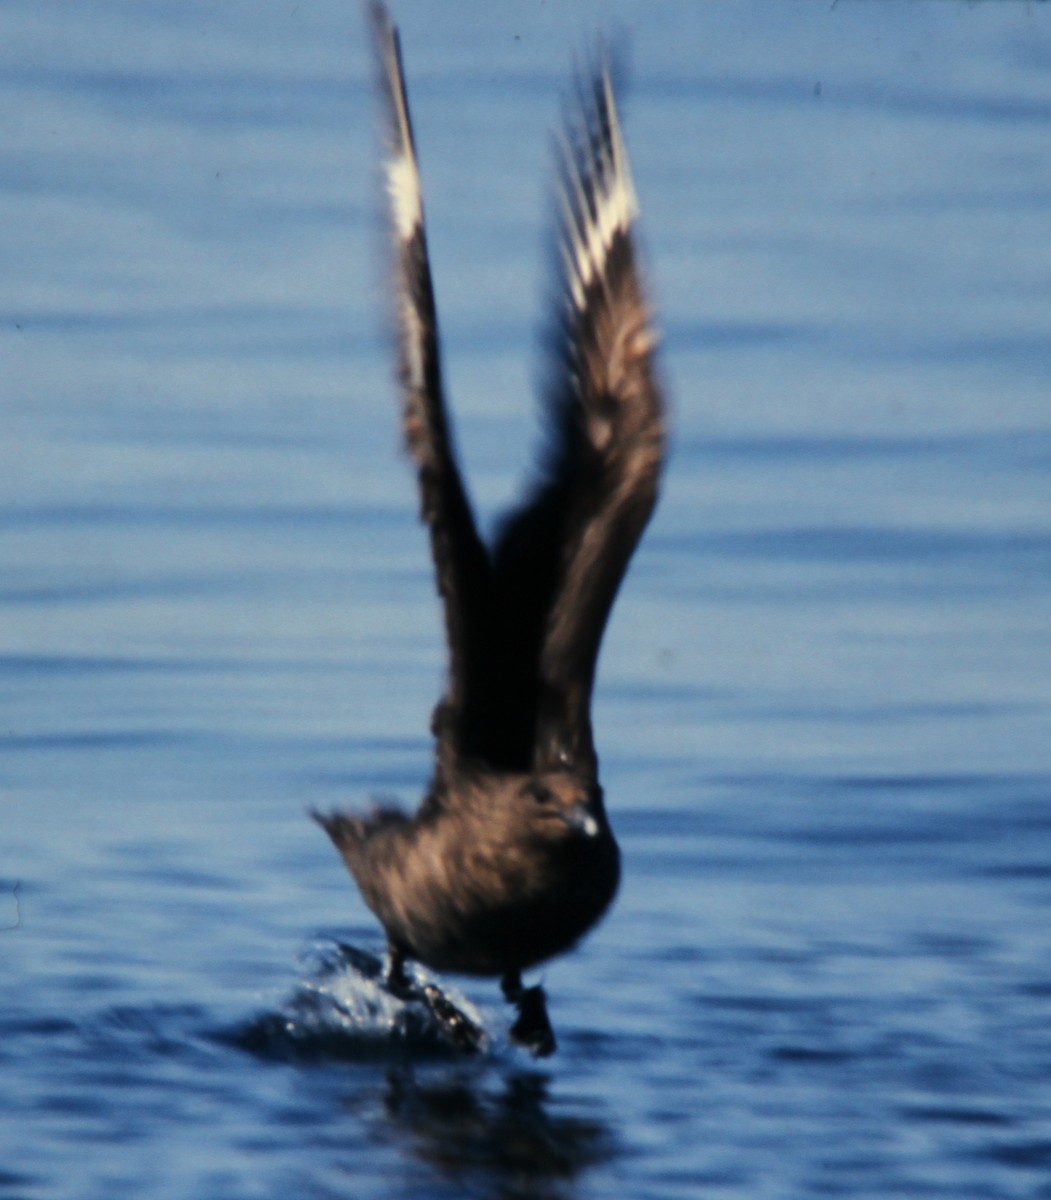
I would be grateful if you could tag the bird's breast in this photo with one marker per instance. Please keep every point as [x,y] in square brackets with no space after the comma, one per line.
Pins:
[497,905]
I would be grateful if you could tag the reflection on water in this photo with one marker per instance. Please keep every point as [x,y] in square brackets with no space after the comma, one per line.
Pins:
[498,1141]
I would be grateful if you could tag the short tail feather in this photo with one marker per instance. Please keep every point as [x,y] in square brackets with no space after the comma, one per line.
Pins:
[349,831]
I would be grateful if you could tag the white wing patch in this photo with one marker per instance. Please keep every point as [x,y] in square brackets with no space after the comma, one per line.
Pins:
[403,175]
[404,195]
[403,189]
[598,197]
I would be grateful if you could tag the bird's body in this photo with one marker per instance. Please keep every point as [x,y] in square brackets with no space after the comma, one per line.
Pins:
[510,858]
[512,872]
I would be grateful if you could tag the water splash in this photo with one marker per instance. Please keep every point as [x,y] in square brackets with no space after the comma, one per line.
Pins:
[344,1009]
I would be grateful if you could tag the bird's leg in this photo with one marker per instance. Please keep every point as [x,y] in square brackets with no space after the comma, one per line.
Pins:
[394,978]
[532,1029]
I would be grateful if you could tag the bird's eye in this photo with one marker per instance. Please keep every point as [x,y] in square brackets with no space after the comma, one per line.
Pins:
[539,793]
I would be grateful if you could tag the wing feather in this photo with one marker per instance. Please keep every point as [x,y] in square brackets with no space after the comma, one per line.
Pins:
[560,560]
[460,558]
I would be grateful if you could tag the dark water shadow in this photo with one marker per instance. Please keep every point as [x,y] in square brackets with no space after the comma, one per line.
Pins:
[510,1141]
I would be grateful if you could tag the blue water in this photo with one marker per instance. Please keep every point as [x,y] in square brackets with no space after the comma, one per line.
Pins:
[824,706]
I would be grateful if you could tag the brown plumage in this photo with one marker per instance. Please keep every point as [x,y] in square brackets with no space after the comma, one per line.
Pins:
[510,859]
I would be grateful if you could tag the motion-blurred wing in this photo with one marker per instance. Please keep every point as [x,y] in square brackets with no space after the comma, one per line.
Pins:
[461,561]
[561,559]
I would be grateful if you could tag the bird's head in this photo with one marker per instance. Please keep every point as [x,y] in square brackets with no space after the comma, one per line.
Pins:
[561,802]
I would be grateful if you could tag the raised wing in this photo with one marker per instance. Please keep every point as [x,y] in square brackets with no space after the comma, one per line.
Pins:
[560,560]
[460,558]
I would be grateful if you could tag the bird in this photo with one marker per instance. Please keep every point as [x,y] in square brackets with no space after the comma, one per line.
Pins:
[510,858]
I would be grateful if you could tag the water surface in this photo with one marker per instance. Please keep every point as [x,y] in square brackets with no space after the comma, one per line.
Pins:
[824,700]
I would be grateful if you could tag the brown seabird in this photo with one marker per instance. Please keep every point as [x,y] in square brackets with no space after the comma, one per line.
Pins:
[510,858]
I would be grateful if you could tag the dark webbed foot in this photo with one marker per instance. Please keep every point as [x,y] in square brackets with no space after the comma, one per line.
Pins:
[532,1028]
[457,1026]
